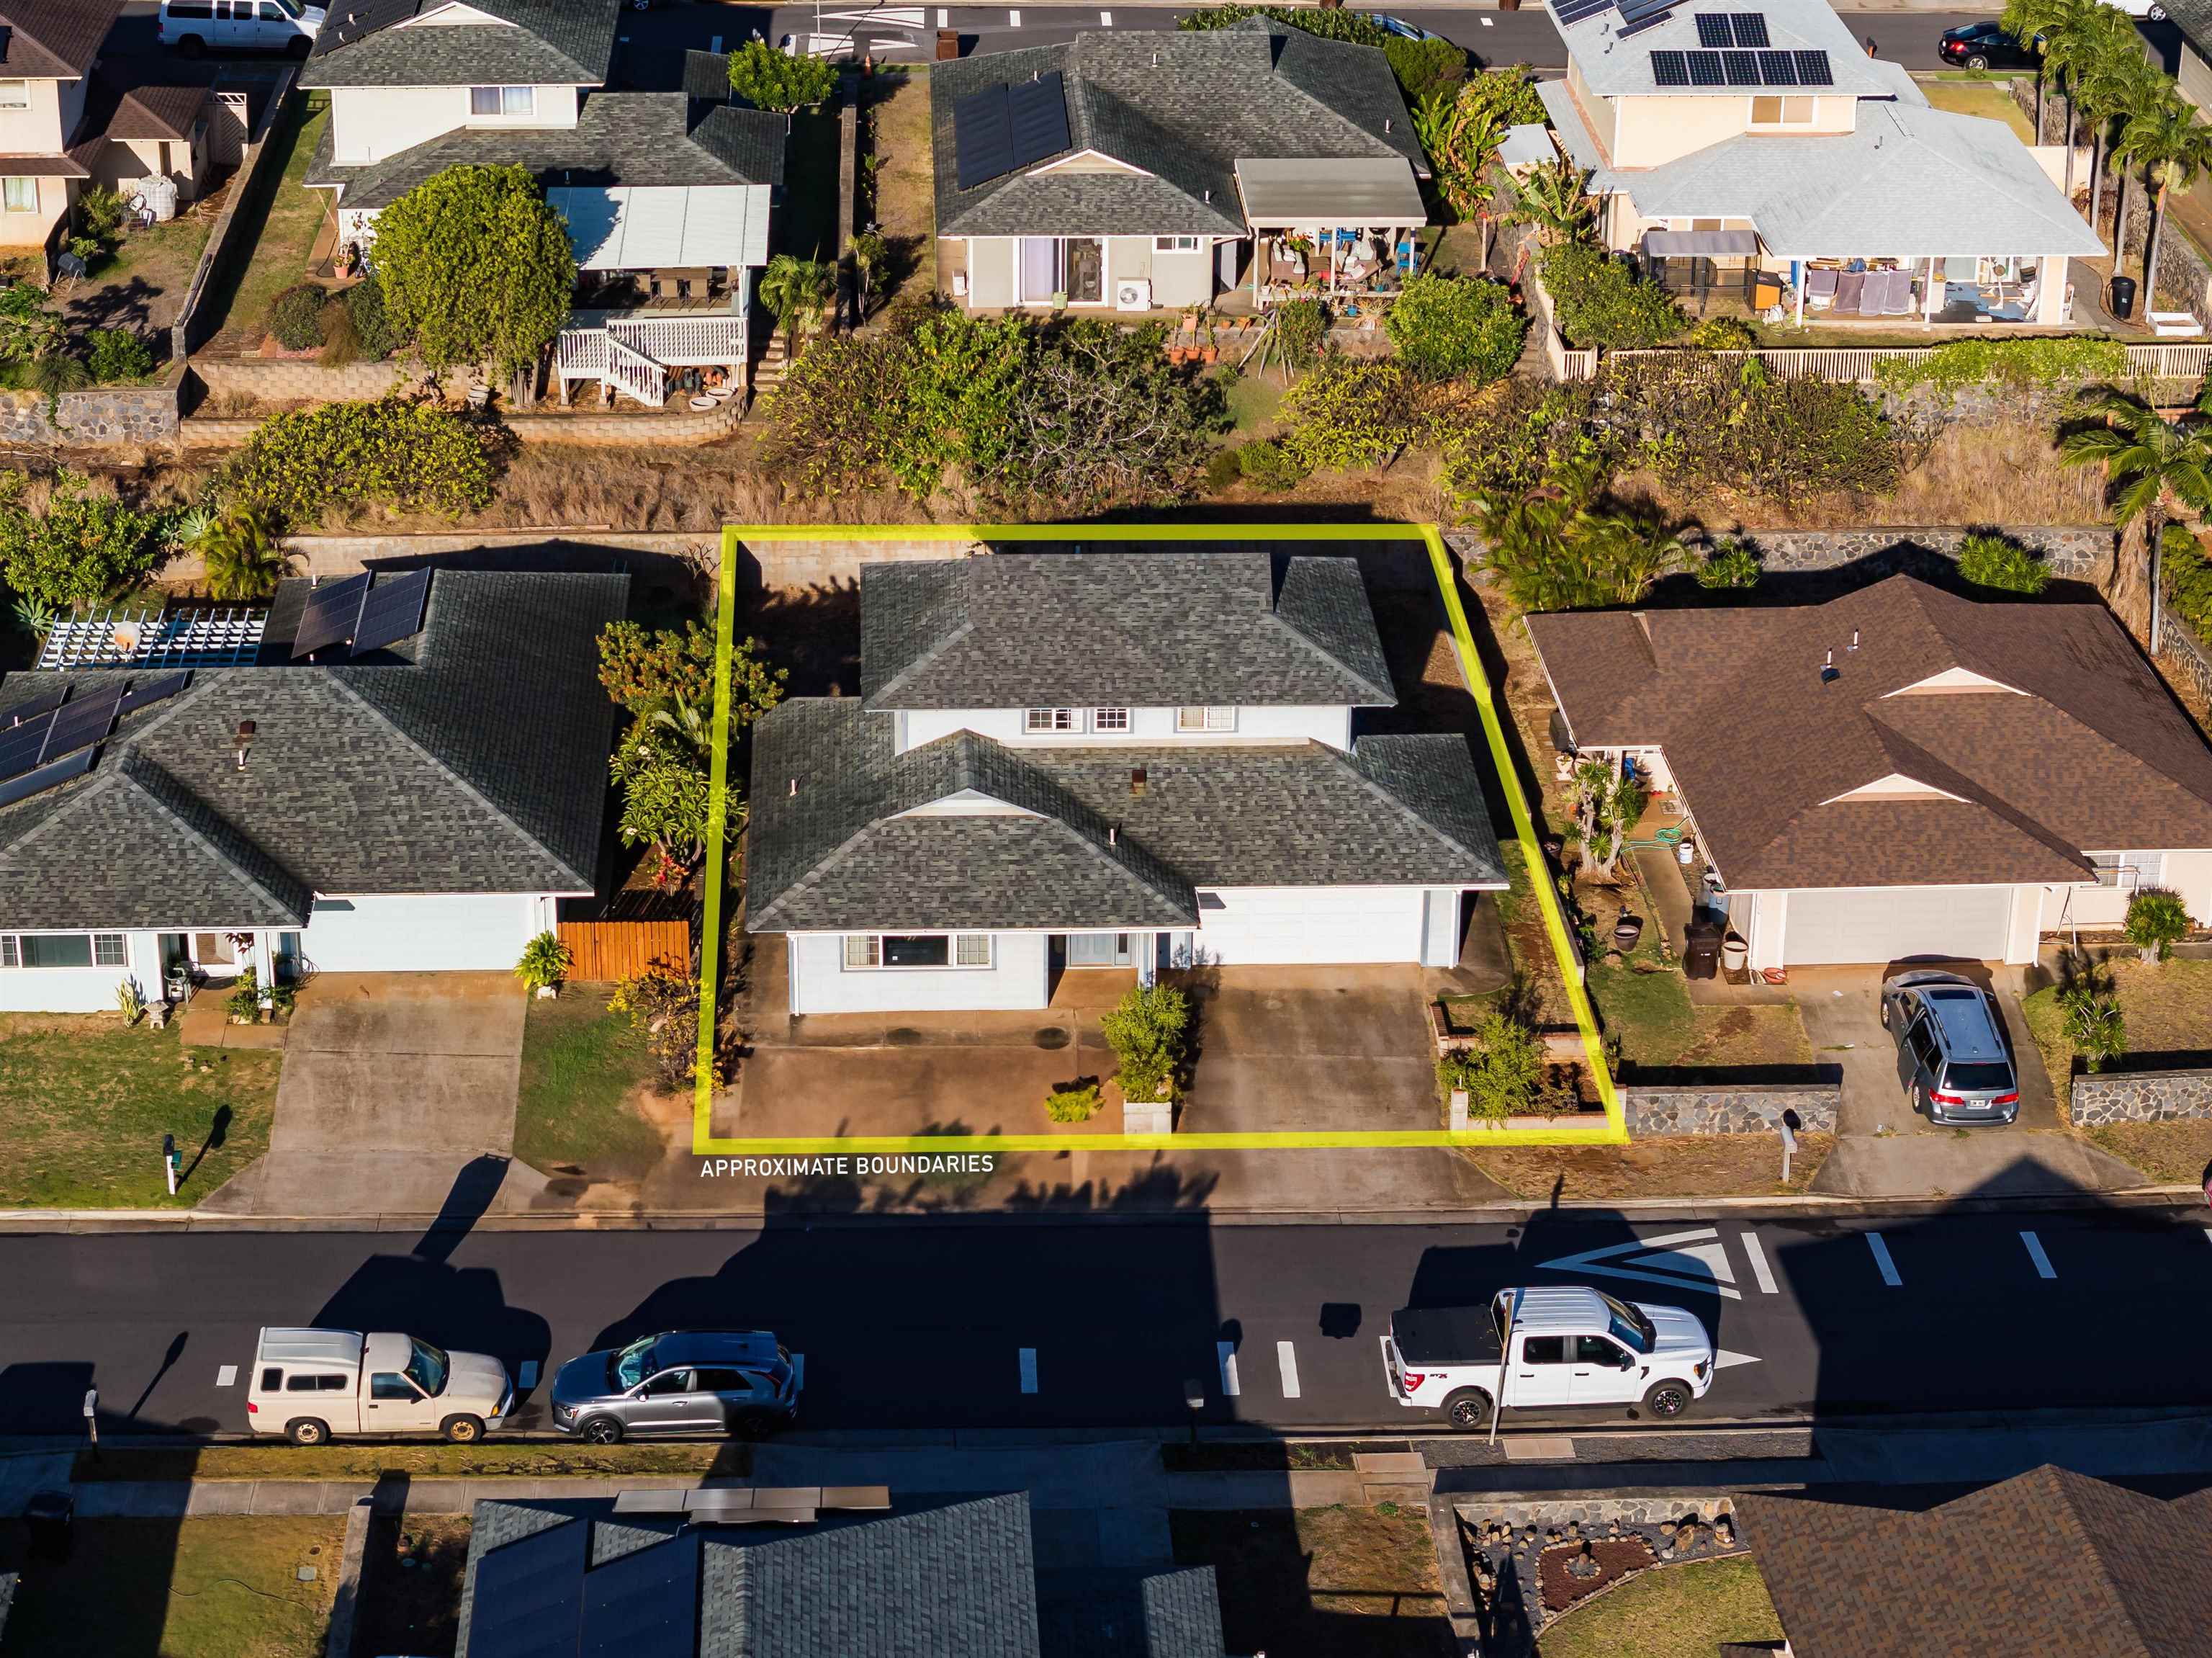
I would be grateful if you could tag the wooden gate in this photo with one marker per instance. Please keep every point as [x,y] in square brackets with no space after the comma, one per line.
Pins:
[603,951]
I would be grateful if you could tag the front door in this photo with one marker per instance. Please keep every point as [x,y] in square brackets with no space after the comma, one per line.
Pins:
[1598,1377]
[1100,950]
[1540,1372]
[1087,270]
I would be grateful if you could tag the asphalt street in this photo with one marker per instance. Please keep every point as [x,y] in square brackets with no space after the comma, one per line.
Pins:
[919,1323]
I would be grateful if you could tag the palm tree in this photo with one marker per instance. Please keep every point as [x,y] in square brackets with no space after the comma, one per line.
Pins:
[2132,90]
[798,291]
[2155,470]
[2174,148]
[2070,36]
[2025,20]
[871,265]
[2115,77]
[239,551]
[1530,535]
[1625,550]
[1554,201]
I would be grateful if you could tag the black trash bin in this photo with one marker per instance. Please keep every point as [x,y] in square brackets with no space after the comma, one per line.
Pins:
[1701,946]
[2123,297]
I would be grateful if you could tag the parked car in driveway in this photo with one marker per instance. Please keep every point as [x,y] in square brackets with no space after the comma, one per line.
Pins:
[682,1381]
[1983,45]
[1951,1052]
[310,1385]
[1568,1345]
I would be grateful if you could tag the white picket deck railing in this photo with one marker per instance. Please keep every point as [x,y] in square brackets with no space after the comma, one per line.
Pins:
[1852,364]
[633,352]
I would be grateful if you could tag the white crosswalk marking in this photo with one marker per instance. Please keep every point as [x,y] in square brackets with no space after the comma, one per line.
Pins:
[1881,1259]
[1287,1356]
[1227,1354]
[1759,1271]
[2043,1267]
[227,1376]
[1029,1369]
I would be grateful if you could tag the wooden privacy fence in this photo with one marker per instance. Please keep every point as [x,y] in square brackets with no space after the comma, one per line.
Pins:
[603,951]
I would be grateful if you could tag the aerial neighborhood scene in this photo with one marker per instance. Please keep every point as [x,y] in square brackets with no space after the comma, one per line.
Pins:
[1058,831]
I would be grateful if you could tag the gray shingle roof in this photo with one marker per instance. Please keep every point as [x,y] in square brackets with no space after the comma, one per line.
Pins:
[1097,1614]
[838,854]
[475,768]
[537,42]
[637,138]
[1613,67]
[1141,630]
[1183,108]
[53,40]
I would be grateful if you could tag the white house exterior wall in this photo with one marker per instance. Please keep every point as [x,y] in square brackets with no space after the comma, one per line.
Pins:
[370,122]
[1019,978]
[1147,726]
[1177,280]
[1311,926]
[1440,934]
[435,932]
[84,990]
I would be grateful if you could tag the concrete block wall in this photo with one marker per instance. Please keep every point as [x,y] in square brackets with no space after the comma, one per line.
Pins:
[302,380]
[2150,1096]
[1731,1111]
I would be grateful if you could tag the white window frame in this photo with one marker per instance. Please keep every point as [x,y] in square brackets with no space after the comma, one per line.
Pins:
[1783,100]
[1207,717]
[1175,244]
[1051,721]
[117,944]
[863,952]
[2128,871]
[8,188]
[502,95]
[1109,719]
[15,95]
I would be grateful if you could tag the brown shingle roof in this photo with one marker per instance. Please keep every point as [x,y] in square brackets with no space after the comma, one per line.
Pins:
[2080,748]
[53,40]
[2051,1562]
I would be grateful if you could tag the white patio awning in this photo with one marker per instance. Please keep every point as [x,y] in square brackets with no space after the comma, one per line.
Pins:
[1701,244]
[1279,195]
[649,227]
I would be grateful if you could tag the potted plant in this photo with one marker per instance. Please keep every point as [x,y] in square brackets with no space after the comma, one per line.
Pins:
[545,962]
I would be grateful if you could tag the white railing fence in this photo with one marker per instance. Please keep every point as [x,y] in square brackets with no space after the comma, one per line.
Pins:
[635,374]
[1849,364]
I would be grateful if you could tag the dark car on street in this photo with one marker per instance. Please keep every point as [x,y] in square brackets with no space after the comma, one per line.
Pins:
[1984,46]
[738,1382]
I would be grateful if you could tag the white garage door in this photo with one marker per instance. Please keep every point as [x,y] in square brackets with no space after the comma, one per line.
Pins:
[1290,925]
[1894,923]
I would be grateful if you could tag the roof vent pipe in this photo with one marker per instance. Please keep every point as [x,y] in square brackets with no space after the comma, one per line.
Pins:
[1386,124]
[1113,834]
[245,741]
[795,788]
[1855,638]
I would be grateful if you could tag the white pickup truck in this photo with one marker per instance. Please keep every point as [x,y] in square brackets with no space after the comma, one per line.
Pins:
[1570,1345]
[309,1385]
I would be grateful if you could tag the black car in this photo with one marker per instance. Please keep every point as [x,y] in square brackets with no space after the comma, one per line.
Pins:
[1984,46]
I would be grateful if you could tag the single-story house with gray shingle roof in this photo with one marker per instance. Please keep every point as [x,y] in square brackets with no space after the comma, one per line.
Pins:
[422,808]
[944,1577]
[1131,758]
[668,194]
[1724,144]
[1133,171]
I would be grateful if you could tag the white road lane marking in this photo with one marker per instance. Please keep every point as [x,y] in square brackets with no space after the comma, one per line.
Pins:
[529,1377]
[1759,1270]
[944,18]
[1723,1359]
[1013,20]
[1882,1260]
[1227,1354]
[1105,20]
[1680,1260]
[1029,1369]
[2043,1267]
[227,1376]
[1287,1355]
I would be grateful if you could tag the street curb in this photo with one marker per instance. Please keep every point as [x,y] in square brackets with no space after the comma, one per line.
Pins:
[99,1220]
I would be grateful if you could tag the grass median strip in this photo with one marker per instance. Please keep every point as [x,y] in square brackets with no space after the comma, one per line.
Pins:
[496,1459]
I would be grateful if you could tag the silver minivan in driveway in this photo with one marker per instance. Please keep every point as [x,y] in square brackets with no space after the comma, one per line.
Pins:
[682,1381]
[1951,1052]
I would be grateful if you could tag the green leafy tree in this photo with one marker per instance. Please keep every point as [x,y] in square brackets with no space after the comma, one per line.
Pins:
[648,671]
[1555,201]
[545,962]
[2155,470]
[2174,148]
[82,546]
[780,81]
[1456,328]
[1426,69]
[1301,333]
[408,455]
[1989,560]
[1266,465]
[1147,1029]
[2069,47]
[799,292]
[241,553]
[1601,301]
[295,316]
[476,267]
[371,319]
[1349,412]
[1503,1070]
[1359,28]
[2157,921]
[2025,21]
[28,329]
[2094,1022]
[117,354]
[2113,82]
[1731,563]
[870,269]
[964,378]
[1103,416]
[1461,137]
[1607,806]
[667,804]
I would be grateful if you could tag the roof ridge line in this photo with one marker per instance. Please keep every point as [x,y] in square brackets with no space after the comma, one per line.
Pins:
[1348,760]
[460,782]
[1275,615]
[1981,794]
[245,875]
[2085,1537]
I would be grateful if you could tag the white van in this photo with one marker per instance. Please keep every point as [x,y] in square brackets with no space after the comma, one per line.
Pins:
[195,26]
[310,1384]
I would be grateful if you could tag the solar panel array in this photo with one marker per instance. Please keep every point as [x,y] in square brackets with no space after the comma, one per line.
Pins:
[44,703]
[1005,127]
[151,691]
[46,776]
[644,1604]
[80,723]
[391,612]
[1574,11]
[332,609]
[1741,69]
[1037,111]
[1637,16]
[529,1600]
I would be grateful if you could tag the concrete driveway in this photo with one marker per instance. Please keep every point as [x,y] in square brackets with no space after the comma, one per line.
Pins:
[393,1084]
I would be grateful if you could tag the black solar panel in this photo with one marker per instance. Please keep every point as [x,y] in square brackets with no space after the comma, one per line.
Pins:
[982,137]
[1750,28]
[1576,10]
[1638,11]
[1649,20]
[644,1604]
[529,1601]
[331,611]
[1813,68]
[1037,111]
[392,611]
[1670,68]
[20,746]
[1706,69]
[152,691]
[1777,68]
[1742,67]
[85,720]
[1713,30]
[44,703]
[31,782]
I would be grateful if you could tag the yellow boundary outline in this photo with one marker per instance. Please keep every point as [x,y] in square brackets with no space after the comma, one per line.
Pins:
[704,1142]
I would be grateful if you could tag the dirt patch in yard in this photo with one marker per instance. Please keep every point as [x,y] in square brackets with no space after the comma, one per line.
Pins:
[142,286]
[281,235]
[2166,1007]
[1575,1571]
[1339,1582]
[411,1585]
[2170,1154]
[904,186]
[1690,1166]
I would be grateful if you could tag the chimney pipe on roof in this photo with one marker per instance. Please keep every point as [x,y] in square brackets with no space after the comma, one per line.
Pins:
[245,741]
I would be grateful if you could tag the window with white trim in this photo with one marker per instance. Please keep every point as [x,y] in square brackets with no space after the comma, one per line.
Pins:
[877,951]
[19,195]
[1109,719]
[1782,112]
[64,950]
[1175,244]
[502,100]
[15,95]
[2129,869]
[1211,718]
[1053,719]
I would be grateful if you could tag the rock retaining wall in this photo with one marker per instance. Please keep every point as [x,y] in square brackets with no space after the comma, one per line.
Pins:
[2185,655]
[1731,1111]
[107,415]
[2078,552]
[2150,1096]
[1546,1514]
[646,428]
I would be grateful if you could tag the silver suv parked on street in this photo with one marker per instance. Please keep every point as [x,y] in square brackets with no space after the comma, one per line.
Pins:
[685,1381]
[1951,1052]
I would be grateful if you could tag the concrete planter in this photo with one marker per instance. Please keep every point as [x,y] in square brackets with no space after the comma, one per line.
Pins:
[1147,1117]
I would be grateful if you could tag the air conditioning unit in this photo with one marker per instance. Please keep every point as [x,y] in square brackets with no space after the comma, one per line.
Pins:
[1135,295]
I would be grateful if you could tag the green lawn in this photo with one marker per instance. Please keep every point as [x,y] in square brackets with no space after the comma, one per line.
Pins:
[581,1066]
[1651,1013]
[226,1588]
[496,1459]
[809,220]
[1987,98]
[2167,1006]
[281,235]
[87,1101]
[1673,1611]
